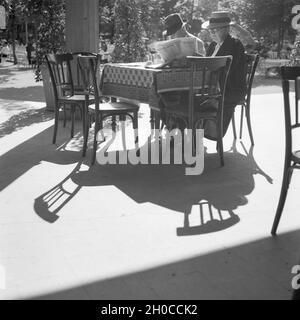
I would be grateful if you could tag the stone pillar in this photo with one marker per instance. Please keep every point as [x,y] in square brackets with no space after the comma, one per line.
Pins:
[82,25]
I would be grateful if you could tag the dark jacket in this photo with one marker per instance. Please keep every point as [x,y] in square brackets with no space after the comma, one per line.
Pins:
[236,82]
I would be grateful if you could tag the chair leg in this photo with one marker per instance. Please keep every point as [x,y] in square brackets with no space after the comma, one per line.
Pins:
[65,115]
[98,126]
[288,171]
[234,126]
[85,128]
[55,125]
[162,125]
[72,120]
[242,122]
[156,121]
[135,128]
[221,152]
[220,143]
[152,119]
[113,124]
[122,119]
[249,125]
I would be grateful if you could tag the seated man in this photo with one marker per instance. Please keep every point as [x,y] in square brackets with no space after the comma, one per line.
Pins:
[223,44]
[176,28]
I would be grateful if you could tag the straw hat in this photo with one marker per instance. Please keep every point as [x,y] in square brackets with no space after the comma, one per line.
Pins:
[218,19]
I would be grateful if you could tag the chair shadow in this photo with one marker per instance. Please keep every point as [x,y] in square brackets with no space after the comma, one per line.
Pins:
[217,221]
[51,202]
[216,193]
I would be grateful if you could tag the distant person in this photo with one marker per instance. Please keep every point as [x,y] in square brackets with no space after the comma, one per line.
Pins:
[223,45]
[29,49]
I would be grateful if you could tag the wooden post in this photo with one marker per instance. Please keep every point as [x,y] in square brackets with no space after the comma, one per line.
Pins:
[82,28]
[82,25]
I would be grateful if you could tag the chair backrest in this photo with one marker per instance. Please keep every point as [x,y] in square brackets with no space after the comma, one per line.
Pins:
[76,67]
[89,67]
[206,77]
[60,73]
[290,75]
[251,65]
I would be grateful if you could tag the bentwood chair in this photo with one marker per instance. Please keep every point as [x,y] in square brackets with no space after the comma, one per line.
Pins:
[191,96]
[78,82]
[90,70]
[292,158]
[251,65]
[59,66]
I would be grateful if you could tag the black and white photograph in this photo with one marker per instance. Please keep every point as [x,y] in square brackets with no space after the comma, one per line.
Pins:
[149,153]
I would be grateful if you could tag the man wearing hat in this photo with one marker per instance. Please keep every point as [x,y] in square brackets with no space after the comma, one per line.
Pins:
[176,28]
[223,44]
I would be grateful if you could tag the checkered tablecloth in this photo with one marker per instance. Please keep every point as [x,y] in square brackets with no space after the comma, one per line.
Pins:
[129,81]
[136,82]
[134,74]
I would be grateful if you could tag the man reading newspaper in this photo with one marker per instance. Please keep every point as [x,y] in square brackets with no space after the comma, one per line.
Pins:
[173,53]
[181,44]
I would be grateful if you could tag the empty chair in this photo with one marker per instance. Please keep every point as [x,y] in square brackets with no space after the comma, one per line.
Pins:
[59,66]
[78,83]
[90,72]
[251,65]
[292,158]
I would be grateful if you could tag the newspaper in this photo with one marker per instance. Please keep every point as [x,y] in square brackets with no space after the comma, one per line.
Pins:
[176,48]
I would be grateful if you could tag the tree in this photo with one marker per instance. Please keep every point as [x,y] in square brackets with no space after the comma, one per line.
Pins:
[11,7]
[151,18]
[49,16]
[269,18]
[129,32]
[106,18]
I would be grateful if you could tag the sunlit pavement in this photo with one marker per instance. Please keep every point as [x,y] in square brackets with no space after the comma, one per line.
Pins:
[72,231]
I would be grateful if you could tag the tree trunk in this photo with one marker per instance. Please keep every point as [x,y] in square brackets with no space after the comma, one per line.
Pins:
[14,43]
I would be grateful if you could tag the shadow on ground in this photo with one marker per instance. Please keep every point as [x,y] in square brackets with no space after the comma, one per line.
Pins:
[24,119]
[34,93]
[255,270]
[213,196]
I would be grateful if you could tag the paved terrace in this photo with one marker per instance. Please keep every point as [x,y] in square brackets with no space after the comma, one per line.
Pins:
[71,231]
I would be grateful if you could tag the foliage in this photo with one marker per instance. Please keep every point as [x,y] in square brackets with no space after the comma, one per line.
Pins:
[106,18]
[268,18]
[49,20]
[129,32]
[151,18]
[50,23]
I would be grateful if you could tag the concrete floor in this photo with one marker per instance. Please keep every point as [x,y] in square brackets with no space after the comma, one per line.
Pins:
[71,231]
